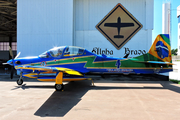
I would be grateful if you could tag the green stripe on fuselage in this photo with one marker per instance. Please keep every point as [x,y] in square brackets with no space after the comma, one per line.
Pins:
[139,62]
[89,60]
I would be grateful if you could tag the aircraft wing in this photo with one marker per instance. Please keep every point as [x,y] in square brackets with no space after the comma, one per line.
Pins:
[50,69]
[156,62]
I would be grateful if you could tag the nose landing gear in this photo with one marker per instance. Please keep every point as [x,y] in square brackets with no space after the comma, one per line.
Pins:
[20,81]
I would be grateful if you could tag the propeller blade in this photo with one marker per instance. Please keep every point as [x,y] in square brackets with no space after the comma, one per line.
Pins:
[12,72]
[11,53]
[17,55]
[12,68]
[5,63]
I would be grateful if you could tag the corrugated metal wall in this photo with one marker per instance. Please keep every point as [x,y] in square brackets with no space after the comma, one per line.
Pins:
[88,13]
[43,24]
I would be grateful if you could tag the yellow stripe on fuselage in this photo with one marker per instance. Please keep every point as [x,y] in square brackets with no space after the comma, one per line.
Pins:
[65,79]
[30,75]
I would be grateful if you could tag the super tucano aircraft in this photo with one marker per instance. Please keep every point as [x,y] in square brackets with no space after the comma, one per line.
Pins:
[70,63]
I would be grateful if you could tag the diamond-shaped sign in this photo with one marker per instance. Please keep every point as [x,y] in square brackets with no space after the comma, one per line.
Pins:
[119,26]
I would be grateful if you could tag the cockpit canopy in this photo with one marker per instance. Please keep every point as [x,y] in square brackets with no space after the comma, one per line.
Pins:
[63,51]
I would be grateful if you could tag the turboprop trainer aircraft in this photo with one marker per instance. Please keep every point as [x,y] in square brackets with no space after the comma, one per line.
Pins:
[70,63]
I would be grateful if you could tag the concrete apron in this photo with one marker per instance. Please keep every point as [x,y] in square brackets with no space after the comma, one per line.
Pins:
[175,74]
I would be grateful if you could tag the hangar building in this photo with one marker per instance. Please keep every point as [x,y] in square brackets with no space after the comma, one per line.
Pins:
[43,24]
[8,13]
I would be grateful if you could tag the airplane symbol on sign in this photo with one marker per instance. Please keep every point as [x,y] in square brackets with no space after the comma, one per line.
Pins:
[118,25]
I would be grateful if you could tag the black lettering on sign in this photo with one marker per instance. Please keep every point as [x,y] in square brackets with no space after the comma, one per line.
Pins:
[100,51]
[127,51]
[134,52]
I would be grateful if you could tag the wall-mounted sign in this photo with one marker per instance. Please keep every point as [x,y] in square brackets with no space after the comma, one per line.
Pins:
[119,26]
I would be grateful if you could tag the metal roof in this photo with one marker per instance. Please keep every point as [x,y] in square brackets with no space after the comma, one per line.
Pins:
[8,17]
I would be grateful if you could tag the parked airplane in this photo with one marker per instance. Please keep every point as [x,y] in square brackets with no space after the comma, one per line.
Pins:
[70,63]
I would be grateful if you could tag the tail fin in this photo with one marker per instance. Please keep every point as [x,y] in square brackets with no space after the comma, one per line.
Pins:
[161,48]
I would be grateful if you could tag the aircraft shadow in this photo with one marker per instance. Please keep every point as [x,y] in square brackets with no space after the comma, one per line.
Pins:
[170,86]
[60,103]
[24,86]
[7,78]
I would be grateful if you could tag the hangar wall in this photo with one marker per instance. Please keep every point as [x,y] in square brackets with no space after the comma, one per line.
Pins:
[42,25]
[88,13]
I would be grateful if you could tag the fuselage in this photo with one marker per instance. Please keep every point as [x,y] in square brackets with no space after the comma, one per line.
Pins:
[86,62]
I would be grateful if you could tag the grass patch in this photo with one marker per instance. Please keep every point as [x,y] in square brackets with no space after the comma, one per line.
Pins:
[175,81]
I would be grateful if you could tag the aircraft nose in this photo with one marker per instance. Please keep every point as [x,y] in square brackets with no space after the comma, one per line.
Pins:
[10,62]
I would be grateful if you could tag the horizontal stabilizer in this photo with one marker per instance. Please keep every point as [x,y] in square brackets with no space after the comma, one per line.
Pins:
[155,62]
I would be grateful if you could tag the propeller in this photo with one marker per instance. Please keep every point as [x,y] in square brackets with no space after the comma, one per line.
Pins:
[11,62]
[12,72]
[12,67]
[11,53]
[12,56]
[17,55]
[5,63]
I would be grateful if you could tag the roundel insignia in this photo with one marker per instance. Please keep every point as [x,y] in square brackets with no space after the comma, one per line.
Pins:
[43,63]
[162,50]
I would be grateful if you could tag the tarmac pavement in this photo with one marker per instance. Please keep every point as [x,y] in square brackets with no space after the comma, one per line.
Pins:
[112,98]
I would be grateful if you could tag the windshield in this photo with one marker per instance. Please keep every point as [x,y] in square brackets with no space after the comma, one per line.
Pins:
[73,50]
[44,55]
[56,52]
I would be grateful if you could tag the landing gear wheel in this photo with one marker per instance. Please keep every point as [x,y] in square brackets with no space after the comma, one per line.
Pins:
[19,81]
[59,87]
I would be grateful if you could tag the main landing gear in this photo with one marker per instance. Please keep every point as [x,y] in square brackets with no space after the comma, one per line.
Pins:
[59,84]
[20,81]
[59,87]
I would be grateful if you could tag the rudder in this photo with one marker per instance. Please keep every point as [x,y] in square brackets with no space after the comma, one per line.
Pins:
[161,48]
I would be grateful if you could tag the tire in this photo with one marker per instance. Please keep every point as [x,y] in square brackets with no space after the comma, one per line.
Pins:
[59,87]
[20,82]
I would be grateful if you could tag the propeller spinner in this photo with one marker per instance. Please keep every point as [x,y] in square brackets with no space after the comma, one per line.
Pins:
[11,62]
